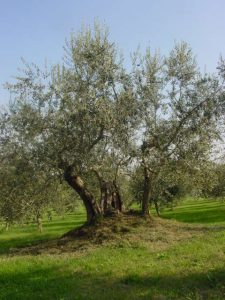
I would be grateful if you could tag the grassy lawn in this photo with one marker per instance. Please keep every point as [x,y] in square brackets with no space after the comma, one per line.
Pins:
[198,211]
[192,268]
[21,236]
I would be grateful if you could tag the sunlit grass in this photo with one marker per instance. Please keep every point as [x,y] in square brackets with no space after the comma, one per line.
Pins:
[189,269]
[26,235]
[201,211]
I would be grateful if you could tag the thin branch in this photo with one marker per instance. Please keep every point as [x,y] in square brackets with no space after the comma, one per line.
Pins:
[182,122]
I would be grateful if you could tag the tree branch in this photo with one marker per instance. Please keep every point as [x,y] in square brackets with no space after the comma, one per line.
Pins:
[98,139]
[183,120]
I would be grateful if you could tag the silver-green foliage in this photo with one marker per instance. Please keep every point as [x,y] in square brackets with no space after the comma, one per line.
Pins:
[90,111]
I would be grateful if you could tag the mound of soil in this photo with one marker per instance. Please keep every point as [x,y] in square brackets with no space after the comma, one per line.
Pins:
[122,230]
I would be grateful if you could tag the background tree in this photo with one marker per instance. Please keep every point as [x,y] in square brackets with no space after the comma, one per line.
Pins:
[179,108]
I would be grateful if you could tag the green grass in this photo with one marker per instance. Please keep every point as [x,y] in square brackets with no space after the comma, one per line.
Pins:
[198,211]
[27,235]
[189,269]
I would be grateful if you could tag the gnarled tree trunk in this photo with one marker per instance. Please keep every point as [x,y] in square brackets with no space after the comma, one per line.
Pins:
[92,208]
[110,195]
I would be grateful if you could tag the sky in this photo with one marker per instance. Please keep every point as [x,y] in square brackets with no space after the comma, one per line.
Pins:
[36,29]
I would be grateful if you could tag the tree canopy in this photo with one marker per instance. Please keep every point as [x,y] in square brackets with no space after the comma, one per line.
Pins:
[90,118]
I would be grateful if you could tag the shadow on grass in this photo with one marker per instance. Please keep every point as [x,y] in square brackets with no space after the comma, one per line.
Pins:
[209,285]
[57,282]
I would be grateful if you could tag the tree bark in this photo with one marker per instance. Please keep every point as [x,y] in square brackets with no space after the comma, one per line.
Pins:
[92,208]
[118,199]
[111,199]
[146,194]
[110,195]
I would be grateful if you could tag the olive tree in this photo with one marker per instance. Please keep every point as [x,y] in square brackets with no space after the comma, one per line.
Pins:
[72,117]
[179,109]
[88,118]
